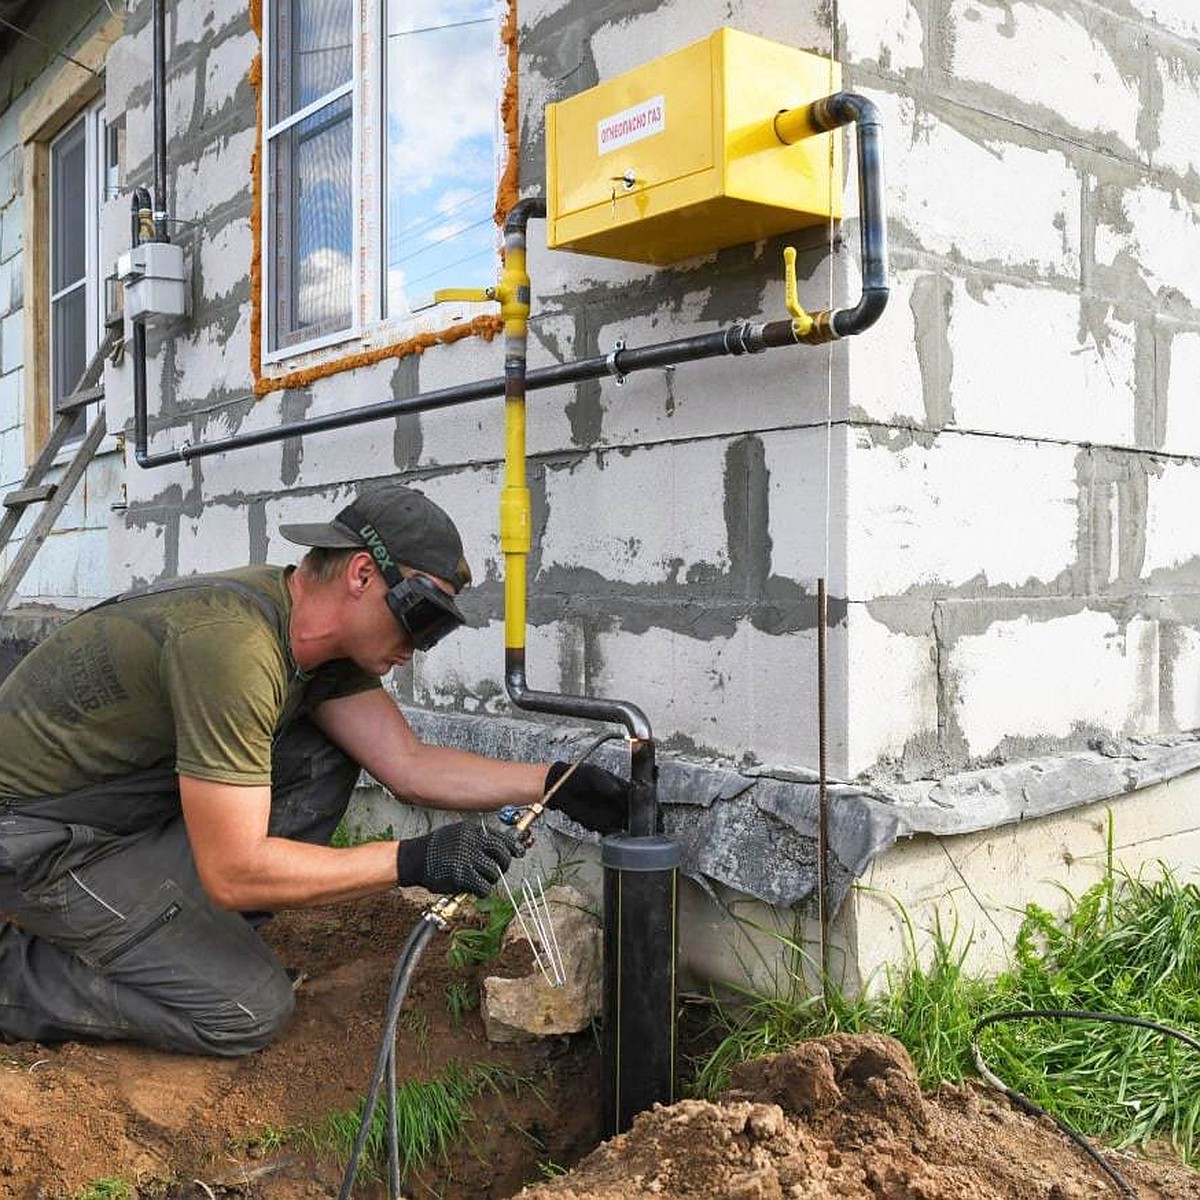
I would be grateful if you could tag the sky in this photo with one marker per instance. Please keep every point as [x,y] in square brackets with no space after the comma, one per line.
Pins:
[442,84]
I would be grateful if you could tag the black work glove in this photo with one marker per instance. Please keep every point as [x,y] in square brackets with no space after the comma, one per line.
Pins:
[467,857]
[592,797]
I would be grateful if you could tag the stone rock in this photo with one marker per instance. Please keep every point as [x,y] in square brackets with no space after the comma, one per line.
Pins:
[521,1010]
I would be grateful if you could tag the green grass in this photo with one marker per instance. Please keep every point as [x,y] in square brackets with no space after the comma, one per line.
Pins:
[461,998]
[1128,945]
[476,945]
[344,835]
[106,1189]
[431,1116]
[473,946]
[415,1024]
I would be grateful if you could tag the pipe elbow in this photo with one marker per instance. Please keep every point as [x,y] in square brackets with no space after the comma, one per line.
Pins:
[522,213]
[842,108]
[515,685]
[863,315]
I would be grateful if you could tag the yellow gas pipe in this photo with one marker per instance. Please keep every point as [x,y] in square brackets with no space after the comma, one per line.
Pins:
[516,513]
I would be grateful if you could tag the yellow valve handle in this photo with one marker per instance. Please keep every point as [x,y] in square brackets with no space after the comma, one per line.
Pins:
[476,294]
[802,323]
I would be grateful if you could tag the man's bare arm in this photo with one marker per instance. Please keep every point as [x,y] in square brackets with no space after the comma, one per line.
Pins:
[242,868]
[372,731]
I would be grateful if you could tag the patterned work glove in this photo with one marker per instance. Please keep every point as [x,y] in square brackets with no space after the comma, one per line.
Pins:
[591,797]
[467,857]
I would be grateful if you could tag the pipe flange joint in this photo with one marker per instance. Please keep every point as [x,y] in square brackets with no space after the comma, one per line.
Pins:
[610,363]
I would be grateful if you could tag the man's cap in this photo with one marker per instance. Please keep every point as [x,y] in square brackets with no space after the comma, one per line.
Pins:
[398,525]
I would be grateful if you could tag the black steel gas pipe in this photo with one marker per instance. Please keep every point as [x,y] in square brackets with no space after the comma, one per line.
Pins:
[158,91]
[824,116]
[141,227]
[821,116]
[743,338]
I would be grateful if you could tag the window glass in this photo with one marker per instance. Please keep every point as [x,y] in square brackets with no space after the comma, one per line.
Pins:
[323,55]
[312,198]
[68,187]
[419,189]
[322,156]
[74,218]
[441,84]
[68,340]
[312,52]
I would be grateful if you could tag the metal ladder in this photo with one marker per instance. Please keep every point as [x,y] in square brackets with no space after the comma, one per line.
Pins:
[34,489]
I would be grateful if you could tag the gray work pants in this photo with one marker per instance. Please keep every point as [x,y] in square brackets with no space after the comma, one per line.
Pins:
[112,934]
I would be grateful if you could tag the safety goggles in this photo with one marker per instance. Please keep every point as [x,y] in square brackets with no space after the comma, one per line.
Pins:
[424,611]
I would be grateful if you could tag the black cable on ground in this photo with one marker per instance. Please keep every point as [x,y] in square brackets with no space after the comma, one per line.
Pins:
[384,1073]
[385,1063]
[1023,1102]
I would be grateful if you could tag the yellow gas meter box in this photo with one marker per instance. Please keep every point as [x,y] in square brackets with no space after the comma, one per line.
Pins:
[679,157]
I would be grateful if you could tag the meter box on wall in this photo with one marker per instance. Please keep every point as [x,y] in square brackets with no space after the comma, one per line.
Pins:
[679,157]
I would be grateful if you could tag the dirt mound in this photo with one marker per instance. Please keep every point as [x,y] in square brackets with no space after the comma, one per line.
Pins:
[843,1116]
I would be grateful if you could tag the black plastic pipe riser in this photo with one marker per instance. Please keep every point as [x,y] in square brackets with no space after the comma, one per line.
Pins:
[641,950]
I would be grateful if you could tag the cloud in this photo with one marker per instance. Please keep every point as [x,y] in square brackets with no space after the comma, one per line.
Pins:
[443,92]
[323,288]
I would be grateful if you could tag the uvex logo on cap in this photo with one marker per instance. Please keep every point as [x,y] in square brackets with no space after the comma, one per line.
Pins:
[375,544]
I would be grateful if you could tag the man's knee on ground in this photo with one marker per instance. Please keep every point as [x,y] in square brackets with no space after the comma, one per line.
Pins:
[249,1024]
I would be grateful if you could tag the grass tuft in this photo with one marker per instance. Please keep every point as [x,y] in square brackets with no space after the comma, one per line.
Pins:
[106,1189]
[1127,946]
[461,998]
[475,945]
[431,1116]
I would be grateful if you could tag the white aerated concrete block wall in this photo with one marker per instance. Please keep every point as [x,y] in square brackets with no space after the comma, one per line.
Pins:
[1021,479]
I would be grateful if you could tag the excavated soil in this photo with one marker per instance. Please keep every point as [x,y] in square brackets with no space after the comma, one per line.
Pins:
[843,1116]
[839,1117]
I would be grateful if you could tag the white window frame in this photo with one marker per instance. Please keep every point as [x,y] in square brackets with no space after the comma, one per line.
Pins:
[92,120]
[370,323]
[352,88]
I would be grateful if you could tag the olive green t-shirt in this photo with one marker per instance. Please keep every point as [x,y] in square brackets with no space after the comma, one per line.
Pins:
[199,678]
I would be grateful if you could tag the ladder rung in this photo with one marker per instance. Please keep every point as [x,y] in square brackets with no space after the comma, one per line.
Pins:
[30,495]
[77,400]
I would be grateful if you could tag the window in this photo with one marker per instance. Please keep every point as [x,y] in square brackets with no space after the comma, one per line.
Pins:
[380,151]
[76,172]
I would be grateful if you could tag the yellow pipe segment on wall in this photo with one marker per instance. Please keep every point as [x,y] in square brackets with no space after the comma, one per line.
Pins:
[516,516]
